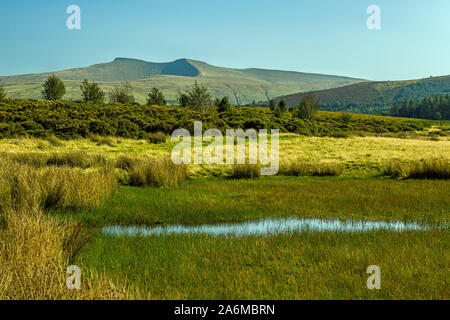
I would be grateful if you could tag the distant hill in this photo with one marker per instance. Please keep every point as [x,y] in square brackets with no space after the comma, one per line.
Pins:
[374,97]
[242,86]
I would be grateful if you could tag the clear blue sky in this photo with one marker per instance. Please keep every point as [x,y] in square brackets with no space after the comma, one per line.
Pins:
[321,36]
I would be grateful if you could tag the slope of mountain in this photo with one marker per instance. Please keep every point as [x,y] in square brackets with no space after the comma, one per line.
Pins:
[374,97]
[240,85]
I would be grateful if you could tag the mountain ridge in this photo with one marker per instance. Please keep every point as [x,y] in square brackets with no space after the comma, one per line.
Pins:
[373,97]
[240,85]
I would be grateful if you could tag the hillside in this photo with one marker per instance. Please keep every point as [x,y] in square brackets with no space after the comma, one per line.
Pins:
[242,86]
[374,97]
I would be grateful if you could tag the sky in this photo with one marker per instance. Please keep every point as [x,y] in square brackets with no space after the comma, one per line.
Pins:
[320,36]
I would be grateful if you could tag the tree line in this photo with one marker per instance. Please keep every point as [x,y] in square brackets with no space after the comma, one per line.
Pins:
[432,108]
[197,97]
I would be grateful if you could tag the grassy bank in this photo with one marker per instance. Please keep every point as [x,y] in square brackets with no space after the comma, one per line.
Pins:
[223,200]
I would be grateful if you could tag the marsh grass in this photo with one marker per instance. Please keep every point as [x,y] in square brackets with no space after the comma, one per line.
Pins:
[246,171]
[25,187]
[438,169]
[157,173]
[303,265]
[156,138]
[36,249]
[34,256]
[74,159]
[54,141]
[301,168]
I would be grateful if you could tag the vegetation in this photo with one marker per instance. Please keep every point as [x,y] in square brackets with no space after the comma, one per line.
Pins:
[308,107]
[121,94]
[246,171]
[157,173]
[426,169]
[434,108]
[156,97]
[54,89]
[375,97]
[91,92]
[197,97]
[242,86]
[296,266]
[156,138]
[69,119]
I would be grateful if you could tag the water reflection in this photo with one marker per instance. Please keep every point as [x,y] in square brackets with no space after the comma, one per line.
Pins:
[267,227]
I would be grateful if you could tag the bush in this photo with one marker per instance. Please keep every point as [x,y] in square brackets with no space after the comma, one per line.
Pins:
[246,171]
[157,173]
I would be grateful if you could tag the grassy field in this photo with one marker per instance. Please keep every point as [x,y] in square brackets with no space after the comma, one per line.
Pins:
[55,196]
[356,155]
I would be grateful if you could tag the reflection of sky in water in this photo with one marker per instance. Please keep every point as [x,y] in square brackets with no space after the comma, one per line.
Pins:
[267,227]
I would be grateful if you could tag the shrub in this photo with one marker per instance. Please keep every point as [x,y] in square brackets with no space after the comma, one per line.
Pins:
[157,173]
[246,171]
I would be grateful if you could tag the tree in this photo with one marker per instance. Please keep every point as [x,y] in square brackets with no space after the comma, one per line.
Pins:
[197,97]
[183,99]
[272,105]
[156,97]
[308,106]
[223,104]
[121,94]
[2,93]
[91,91]
[54,89]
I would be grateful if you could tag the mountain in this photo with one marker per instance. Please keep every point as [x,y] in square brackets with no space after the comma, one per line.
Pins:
[374,97]
[242,86]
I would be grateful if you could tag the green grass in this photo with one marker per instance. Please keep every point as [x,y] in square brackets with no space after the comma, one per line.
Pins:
[414,265]
[223,200]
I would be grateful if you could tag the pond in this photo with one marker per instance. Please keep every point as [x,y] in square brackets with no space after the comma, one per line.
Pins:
[267,227]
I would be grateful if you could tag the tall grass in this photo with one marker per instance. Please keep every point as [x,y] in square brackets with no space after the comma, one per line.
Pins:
[25,187]
[246,171]
[426,169]
[156,138]
[74,159]
[301,168]
[35,249]
[157,173]
[34,259]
